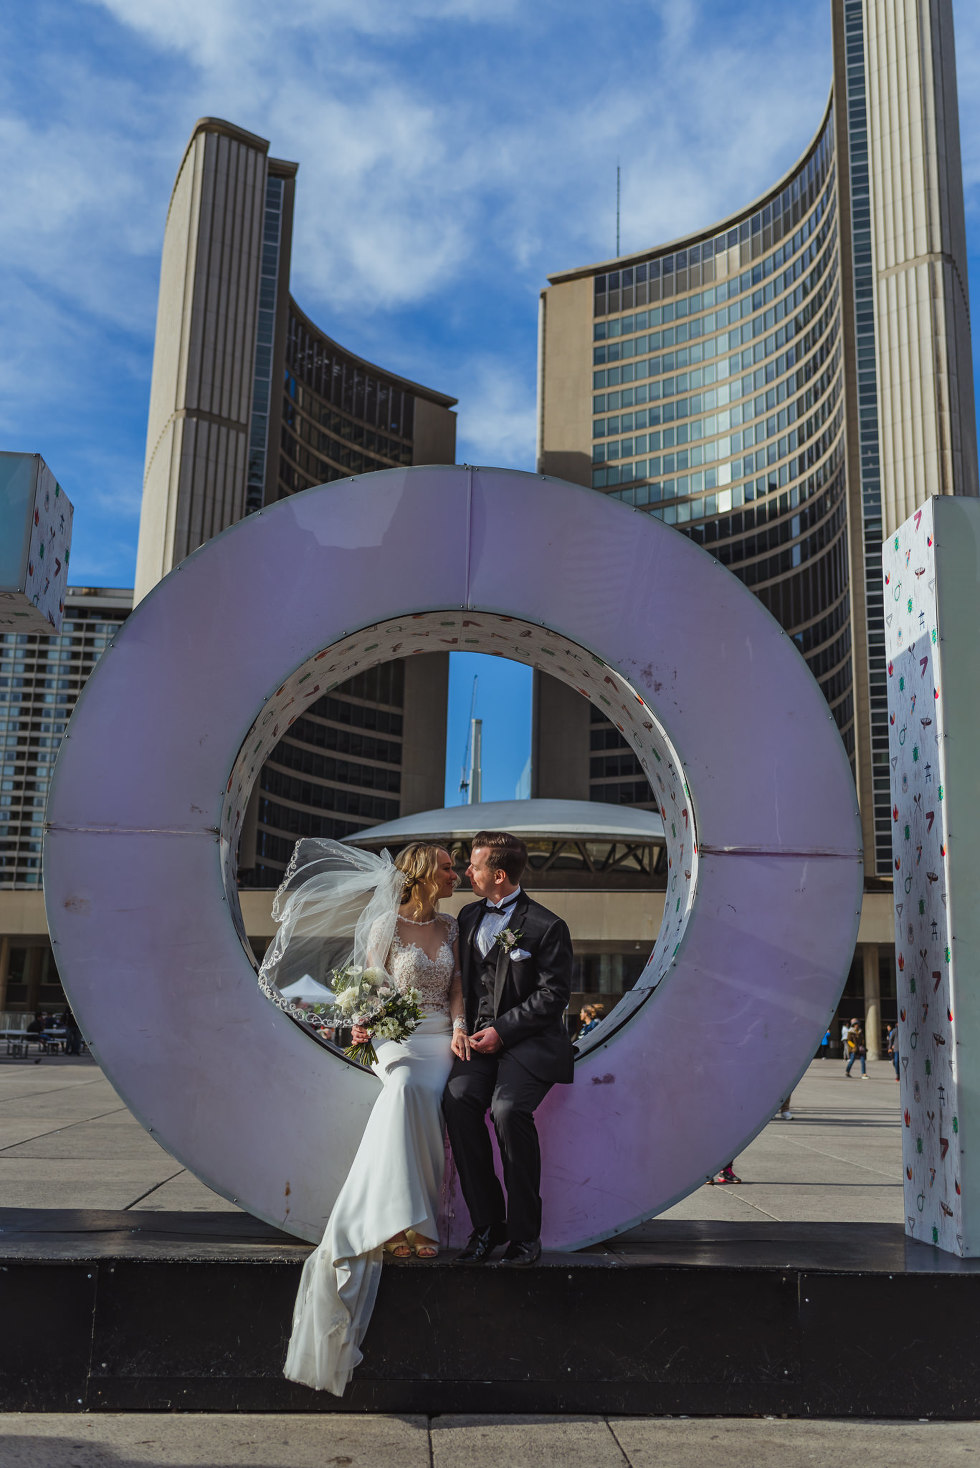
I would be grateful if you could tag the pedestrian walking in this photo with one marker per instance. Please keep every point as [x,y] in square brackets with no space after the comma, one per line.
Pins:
[856,1049]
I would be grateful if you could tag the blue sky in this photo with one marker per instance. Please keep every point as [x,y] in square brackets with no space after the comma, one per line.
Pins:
[452,153]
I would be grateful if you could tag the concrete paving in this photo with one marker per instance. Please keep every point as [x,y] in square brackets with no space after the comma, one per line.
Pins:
[66,1140]
[137,1440]
[838,1160]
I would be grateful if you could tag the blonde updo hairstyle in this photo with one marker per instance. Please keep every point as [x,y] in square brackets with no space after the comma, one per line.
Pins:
[419,864]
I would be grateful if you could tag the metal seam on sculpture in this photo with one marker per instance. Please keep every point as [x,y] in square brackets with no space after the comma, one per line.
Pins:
[135,830]
[831,854]
[469,535]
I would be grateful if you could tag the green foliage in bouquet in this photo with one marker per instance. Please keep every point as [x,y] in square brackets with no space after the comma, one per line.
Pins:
[367,997]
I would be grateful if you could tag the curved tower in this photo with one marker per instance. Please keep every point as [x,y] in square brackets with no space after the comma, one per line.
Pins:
[787,385]
[250,401]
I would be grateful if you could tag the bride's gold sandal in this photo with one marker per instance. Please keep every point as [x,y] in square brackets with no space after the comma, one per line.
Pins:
[398,1248]
[422,1247]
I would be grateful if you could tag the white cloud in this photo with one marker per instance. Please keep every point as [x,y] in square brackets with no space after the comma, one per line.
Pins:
[497,421]
[451,153]
[221,34]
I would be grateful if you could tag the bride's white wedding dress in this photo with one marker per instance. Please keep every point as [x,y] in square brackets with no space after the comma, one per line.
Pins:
[394,1182]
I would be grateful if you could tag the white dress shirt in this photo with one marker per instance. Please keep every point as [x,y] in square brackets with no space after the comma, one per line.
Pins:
[493,922]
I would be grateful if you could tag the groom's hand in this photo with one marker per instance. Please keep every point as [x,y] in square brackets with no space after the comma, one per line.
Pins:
[486,1042]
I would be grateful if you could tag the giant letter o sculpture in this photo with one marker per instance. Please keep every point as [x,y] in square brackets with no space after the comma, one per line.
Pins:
[764,886]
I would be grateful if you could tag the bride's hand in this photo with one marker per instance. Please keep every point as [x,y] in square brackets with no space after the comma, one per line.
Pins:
[460,1044]
[360,1035]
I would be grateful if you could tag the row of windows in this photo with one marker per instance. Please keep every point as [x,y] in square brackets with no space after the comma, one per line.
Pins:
[693,305]
[35,704]
[834,624]
[734,546]
[258,433]
[325,767]
[832,656]
[735,414]
[702,351]
[75,681]
[61,651]
[633,792]
[270,848]
[821,582]
[615,349]
[815,581]
[345,741]
[309,415]
[65,701]
[857,129]
[384,683]
[338,379]
[307,822]
[719,530]
[712,500]
[604,735]
[682,270]
[357,715]
[765,431]
[312,469]
[730,392]
[87,623]
[15,736]
[358,445]
[810,521]
[613,764]
[626,473]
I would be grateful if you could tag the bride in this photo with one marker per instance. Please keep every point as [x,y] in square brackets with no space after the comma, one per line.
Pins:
[390,1199]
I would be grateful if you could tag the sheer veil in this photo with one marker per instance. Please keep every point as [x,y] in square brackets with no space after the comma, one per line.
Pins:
[334,902]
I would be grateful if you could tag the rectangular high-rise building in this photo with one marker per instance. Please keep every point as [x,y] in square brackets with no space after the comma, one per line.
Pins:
[41,677]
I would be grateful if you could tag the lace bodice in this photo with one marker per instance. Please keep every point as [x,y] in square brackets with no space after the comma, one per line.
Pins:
[412,968]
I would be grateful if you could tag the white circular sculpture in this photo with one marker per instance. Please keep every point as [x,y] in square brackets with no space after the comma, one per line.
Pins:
[763,836]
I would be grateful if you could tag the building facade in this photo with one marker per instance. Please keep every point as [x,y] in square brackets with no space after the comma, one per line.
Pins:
[786,386]
[251,402]
[41,677]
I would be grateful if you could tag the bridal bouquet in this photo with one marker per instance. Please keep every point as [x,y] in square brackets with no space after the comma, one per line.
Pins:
[368,997]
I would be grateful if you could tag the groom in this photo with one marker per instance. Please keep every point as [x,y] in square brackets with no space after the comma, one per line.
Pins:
[516,962]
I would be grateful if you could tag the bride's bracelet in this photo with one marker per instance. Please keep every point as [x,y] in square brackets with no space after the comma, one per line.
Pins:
[459,1023]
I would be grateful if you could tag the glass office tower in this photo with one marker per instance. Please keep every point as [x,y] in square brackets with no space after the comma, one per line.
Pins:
[787,385]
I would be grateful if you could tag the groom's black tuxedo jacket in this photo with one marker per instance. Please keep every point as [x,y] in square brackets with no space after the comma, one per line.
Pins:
[530,994]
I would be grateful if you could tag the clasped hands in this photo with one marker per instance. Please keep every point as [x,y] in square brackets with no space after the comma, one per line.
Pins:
[484,1042]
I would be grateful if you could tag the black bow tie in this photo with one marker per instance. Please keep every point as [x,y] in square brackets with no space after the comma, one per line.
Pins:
[504,906]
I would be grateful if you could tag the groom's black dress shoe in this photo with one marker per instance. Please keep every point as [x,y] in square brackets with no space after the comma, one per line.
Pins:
[481,1244]
[520,1255]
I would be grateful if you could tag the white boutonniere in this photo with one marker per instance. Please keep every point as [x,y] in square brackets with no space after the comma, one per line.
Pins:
[508,939]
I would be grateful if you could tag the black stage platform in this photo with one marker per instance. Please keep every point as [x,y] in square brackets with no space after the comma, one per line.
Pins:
[190,1311]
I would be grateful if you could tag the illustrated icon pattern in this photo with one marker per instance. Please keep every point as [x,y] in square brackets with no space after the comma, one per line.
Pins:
[923,941]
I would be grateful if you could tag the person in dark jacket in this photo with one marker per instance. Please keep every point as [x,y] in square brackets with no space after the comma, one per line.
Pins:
[516,963]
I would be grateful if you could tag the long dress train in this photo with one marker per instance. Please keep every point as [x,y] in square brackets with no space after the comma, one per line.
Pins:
[394,1182]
